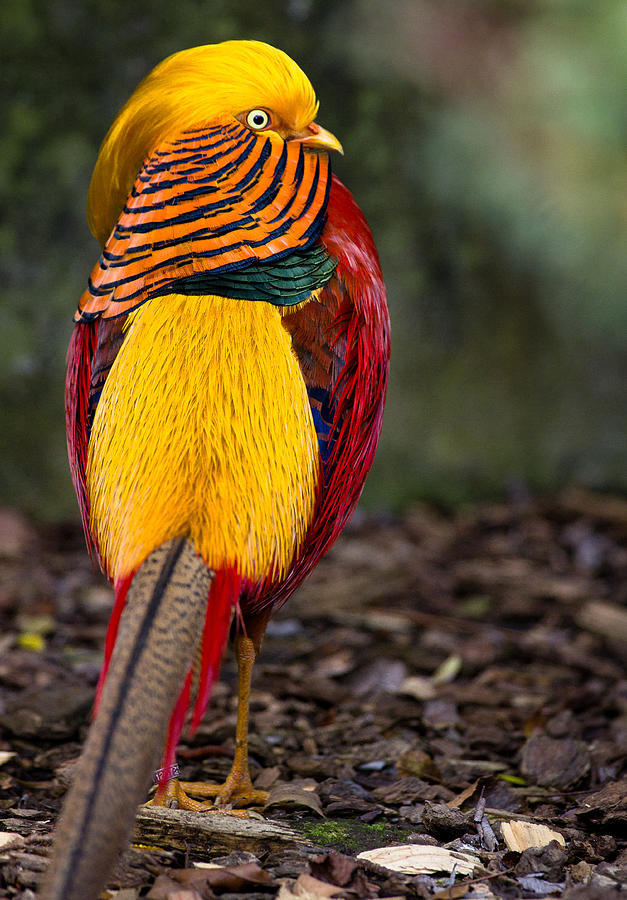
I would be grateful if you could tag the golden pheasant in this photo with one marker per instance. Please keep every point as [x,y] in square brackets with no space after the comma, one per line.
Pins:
[225,388]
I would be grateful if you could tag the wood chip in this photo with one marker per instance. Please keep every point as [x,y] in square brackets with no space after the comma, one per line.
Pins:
[520,836]
[9,839]
[606,619]
[5,756]
[420,859]
[418,687]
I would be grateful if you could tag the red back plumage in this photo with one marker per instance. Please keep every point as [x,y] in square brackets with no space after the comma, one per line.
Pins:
[348,332]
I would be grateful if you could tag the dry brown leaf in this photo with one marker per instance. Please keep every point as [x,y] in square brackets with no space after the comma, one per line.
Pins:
[472,890]
[520,836]
[454,892]
[166,888]
[333,867]
[419,764]
[420,859]
[224,878]
[466,794]
[418,687]
[294,795]
[185,895]
[306,887]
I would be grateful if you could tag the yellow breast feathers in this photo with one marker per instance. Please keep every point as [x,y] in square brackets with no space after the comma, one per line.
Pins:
[203,428]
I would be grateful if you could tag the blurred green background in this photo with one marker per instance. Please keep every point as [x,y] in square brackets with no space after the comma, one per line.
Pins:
[485,142]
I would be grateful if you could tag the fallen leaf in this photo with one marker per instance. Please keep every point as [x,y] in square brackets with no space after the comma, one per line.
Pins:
[448,670]
[165,888]
[454,892]
[420,859]
[480,892]
[28,641]
[609,804]
[410,790]
[418,763]
[185,895]
[224,878]
[540,886]
[306,887]
[267,778]
[520,836]
[418,687]
[466,794]
[554,763]
[513,779]
[294,795]
[440,714]
[334,867]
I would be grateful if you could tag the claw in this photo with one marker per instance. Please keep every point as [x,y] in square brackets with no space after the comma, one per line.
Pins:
[174,795]
[235,790]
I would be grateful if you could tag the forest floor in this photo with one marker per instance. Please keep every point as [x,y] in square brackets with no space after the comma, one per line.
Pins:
[442,684]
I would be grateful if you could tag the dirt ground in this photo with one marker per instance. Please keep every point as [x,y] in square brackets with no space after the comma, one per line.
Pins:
[441,681]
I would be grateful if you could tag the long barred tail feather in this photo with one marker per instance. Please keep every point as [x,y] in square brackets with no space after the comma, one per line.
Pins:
[157,636]
[223,599]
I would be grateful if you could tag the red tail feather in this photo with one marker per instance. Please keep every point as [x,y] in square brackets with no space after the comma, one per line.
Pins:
[223,597]
[121,590]
[177,720]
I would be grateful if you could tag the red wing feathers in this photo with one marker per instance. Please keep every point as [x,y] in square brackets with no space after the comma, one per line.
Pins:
[77,391]
[343,344]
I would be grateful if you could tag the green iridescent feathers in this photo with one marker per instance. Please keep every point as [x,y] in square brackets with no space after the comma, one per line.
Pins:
[283,282]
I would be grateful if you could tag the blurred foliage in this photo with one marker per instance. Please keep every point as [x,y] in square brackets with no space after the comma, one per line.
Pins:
[485,142]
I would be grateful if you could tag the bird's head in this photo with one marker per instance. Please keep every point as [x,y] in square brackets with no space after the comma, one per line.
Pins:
[248,80]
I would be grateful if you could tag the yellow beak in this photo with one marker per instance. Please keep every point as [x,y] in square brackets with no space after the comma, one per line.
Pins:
[316,136]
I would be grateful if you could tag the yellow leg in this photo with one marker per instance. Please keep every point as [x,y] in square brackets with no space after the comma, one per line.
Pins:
[238,788]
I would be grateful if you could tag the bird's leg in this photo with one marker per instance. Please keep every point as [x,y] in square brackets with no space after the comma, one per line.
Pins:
[238,787]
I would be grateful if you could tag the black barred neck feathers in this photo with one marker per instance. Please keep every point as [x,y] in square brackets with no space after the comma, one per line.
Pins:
[192,88]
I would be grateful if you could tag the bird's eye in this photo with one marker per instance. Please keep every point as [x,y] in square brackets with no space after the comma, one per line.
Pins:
[257,119]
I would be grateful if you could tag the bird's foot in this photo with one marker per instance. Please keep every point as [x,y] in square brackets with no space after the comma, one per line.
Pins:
[235,791]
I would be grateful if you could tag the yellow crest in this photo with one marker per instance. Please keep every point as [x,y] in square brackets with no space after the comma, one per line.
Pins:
[190,88]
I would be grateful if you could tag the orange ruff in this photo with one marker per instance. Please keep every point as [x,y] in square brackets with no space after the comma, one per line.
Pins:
[210,200]
[203,429]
